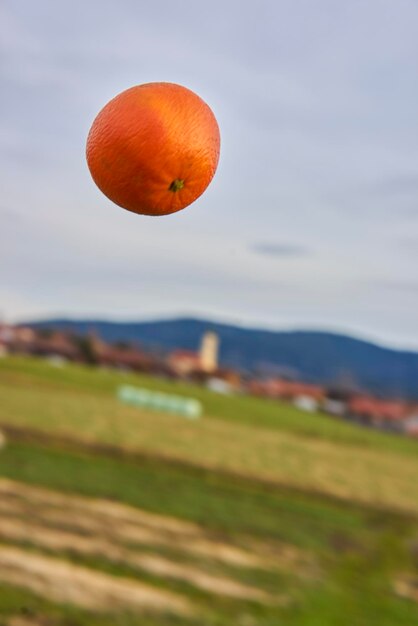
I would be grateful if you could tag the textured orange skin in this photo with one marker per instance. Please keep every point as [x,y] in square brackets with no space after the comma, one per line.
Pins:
[146,138]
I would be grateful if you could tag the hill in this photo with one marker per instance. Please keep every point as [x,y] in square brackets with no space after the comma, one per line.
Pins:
[321,357]
[256,514]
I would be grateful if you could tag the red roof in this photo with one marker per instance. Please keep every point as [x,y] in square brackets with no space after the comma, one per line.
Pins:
[184,354]
[279,388]
[372,408]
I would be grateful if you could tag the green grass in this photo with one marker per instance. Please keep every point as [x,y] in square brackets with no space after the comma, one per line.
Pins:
[360,539]
[260,412]
[18,602]
[359,550]
[240,434]
[202,497]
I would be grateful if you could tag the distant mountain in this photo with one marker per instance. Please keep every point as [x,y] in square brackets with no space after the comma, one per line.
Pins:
[315,356]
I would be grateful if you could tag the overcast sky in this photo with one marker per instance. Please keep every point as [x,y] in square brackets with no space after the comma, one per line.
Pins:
[312,218]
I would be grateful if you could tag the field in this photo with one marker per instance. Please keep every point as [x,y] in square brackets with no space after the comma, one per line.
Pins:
[257,514]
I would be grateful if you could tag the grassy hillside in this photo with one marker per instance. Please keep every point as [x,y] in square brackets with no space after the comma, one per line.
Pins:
[245,435]
[316,556]
[189,527]
[262,413]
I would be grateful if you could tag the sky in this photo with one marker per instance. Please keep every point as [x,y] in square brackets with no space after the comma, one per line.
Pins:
[312,218]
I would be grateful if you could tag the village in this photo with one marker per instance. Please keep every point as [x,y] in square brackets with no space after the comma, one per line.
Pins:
[202,367]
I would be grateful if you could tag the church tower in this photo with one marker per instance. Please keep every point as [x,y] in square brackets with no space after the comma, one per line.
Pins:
[209,352]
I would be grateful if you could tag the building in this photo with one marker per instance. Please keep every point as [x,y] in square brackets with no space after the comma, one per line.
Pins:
[208,353]
[410,425]
[129,359]
[48,344]
[184,362]
[388,414]
[120,356]
[6,336]
[289,390]
[198,365]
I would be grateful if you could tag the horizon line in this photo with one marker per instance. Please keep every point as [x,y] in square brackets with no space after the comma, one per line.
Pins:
[251,326]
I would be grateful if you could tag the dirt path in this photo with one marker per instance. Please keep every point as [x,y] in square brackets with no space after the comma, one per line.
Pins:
[65,582]
[62,523]
[19,620]
[123,522]
[407,587]
[55,540]
[30,620]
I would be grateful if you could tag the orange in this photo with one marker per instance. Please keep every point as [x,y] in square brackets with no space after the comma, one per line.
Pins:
[154,148]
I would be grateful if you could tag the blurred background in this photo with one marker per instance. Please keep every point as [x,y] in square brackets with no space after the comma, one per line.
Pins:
[211,418]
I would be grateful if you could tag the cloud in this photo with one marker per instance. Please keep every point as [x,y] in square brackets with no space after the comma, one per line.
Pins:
[317,110]
[8,214]
[409,244]
[400,286]
[406,184]
[282,250]
[399,186]
[393,195]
